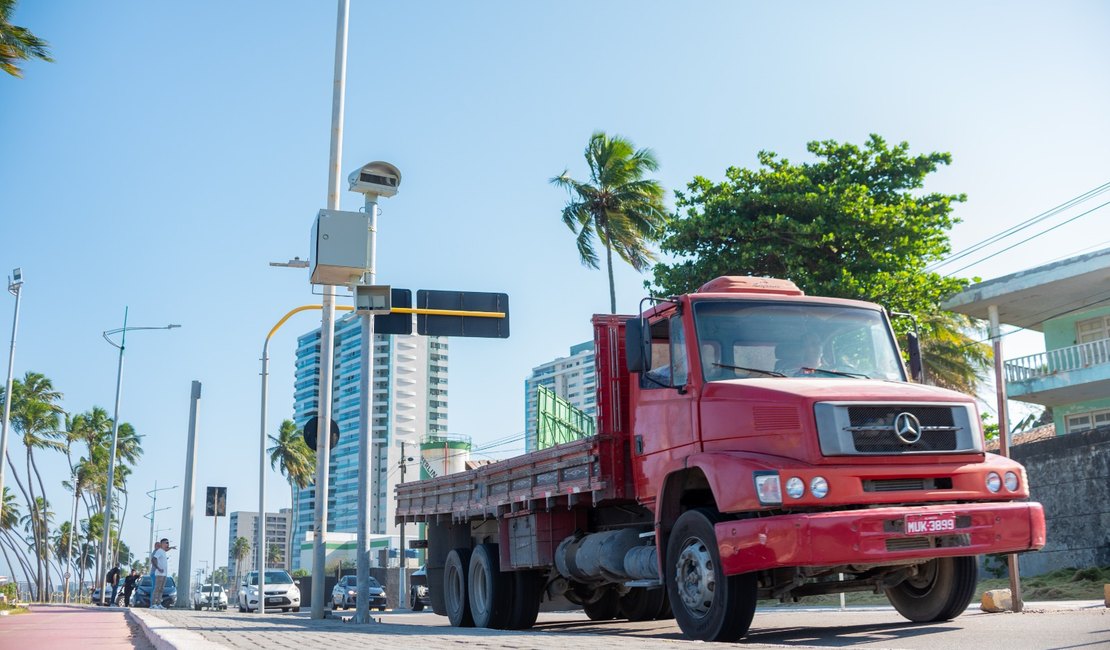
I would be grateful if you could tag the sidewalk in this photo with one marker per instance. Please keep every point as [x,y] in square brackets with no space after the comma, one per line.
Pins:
[71,626]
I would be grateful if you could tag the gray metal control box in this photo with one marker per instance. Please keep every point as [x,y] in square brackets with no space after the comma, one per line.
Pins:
[340,247]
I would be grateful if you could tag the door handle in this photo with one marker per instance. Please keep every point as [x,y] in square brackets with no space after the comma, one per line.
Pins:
[639,444]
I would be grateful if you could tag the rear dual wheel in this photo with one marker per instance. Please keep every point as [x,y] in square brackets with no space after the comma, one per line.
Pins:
[477,593]
[641,604]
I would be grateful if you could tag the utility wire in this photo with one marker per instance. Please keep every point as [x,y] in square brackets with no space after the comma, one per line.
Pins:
[1043,232]
[1019,227]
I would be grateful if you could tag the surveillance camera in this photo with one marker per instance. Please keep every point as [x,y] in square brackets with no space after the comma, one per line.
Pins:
[378,178]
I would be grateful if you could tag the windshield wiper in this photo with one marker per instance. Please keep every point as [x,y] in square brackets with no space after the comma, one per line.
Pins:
[769,373]
[853,375]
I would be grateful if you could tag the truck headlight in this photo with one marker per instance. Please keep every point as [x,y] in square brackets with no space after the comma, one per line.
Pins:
[819,487]
[795,487]
[768,488]
[994,482]
[1011,481]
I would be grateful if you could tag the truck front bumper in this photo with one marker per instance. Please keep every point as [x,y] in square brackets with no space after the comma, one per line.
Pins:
[876,536]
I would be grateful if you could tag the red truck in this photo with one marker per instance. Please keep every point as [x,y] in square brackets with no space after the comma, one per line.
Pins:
[753,443]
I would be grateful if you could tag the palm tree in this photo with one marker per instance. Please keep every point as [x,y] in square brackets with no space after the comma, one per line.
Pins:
[618,206]
[296,462]
[273,555]
[35,414]
[240,550]
[9,519]
[953,353]
[17,43]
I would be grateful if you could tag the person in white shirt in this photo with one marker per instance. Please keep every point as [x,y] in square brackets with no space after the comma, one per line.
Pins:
[160,563]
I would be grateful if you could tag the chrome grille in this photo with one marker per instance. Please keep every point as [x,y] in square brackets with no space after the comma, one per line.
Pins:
[873,431]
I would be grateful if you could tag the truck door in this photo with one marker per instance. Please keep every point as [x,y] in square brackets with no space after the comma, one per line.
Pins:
[664,432]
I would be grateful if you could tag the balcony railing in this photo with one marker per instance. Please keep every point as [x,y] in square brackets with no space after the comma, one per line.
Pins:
[1044,364]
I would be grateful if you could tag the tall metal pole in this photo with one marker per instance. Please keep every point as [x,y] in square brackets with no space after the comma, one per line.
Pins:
[327,329]
[16,288]
[102,556]
[260,552]
[1004,439]
[216,527]
[153,509]
[401,542]
[365,430]
[185,562]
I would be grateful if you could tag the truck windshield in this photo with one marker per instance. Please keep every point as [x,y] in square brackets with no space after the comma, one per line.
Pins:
[740,340]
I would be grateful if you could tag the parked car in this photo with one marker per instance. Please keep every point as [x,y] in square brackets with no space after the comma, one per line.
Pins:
[144,587]
[209,596]
[119,596]
[345,593]
[419,598]
[280,592]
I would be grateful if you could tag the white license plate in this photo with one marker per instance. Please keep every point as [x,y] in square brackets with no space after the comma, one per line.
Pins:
[930,524]
[274,600]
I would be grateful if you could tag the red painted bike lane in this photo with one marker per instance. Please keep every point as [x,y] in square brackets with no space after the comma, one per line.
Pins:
[60,626]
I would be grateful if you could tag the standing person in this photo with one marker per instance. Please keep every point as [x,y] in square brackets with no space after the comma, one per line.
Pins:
[113,579]
[160,562]
[129,586]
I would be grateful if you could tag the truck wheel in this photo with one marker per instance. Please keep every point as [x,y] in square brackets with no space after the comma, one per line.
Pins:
[708,605]
[490,590]
[455,588]
[641,604]
[665,614]
[605,608]
[941,590]
[527,591]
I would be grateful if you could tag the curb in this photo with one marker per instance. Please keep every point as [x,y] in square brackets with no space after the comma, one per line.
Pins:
[164,636]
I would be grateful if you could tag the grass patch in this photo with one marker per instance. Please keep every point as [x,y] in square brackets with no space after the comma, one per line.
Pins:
[1063,584]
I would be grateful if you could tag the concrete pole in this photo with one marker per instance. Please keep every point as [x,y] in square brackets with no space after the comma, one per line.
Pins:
[365,430]
[15,287]
[185,563]
[327,328]
[1004,438]
[72,533]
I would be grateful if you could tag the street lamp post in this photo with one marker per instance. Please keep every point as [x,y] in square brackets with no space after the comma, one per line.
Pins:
[153,494]
[15,286]
[103,555]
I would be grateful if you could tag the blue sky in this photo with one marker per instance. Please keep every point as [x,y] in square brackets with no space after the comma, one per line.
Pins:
[174,149]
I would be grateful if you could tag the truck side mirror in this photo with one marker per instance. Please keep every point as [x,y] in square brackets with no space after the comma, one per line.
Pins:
[915,356]
[635,359]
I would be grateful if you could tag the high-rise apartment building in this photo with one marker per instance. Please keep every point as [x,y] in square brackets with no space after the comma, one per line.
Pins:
[573,378]
[245,524]
[409,388]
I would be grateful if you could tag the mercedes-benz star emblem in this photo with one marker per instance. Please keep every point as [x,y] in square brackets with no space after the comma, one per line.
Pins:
[907,428]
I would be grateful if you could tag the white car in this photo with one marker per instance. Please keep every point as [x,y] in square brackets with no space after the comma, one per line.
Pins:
[209,596]
[280,592]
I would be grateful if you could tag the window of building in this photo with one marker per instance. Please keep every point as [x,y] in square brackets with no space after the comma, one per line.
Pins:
[1092,329]
[1085,421]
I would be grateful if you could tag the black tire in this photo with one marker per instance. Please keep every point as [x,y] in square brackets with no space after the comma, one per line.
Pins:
[285,610]
[490,591]
[707,605]
[641,604]
[455,597]
[196,607]
[605,608]
[527,592]
[414,603]
[941,590]
[665,614]
[296,609]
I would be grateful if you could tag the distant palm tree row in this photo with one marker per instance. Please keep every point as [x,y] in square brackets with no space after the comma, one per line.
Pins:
[31,542]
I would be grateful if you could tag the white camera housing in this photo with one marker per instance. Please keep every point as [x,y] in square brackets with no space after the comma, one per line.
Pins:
[377,178]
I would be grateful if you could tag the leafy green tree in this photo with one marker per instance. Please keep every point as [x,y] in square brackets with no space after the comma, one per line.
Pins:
[219,577]
[855,223]
[273,555]
[617,205]
[18,44]
[296,462]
